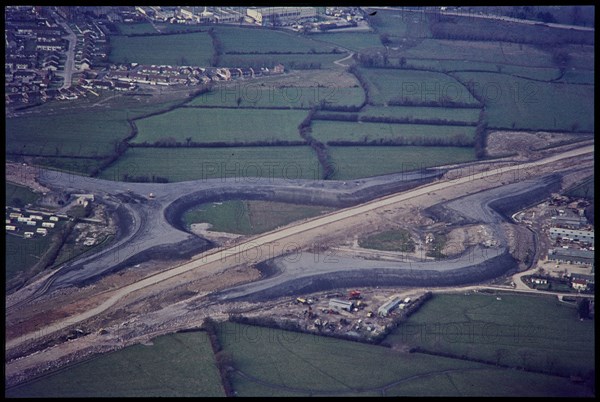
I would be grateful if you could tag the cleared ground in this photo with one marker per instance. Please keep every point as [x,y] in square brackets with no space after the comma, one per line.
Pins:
[177,365]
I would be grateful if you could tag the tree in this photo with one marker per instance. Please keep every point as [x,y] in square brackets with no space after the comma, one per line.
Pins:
[385,39]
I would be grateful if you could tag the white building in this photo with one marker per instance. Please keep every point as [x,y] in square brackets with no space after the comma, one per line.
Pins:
[280,15]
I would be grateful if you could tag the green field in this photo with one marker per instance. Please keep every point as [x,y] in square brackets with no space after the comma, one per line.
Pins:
[250,216]
[364,161]
[390,240]
[254,94]
[290,61]
[184,49]
[401,24]
[22,254]
[176,365]
[423,112]
[86,133]
[249,40]
[270,362]
[221,125]
[525,104]
[480,51]
[326,131]
[72,165]
[136,28]
[578,77]
[235,163]
[18,196]
[414,86]
[354,41]
[538,333]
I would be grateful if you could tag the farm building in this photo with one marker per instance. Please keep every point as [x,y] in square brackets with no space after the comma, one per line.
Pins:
[569,220]
[584,277]
[579,284]
[337,304]
[571,256]
[280,15]
[388,306]
[570,234]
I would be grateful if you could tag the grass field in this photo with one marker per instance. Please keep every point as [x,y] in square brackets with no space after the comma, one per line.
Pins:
[390,240]
[363,161]
[237,163]
[525,104]
[250,216]
[354,41]
[271,362]
[176,365]
[137,28]
[254,94]
[248,40]
[22,254]
[326,131]
[71,165]
[18,196]
[401,24]
[290,61]
[535,332]
[415,86]
[216,125]
[423,112]
[185,49]
[480,51]
[86,133]
[579,77]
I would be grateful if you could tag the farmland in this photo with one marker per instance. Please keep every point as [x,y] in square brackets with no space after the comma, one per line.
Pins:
[184,49]
[83,133]
[538,333]
[176,365]
[355,41]
[236,163]
[480,51]
[364,132]
[524,104]
[364,161]
[391,240]
[252,94]
[221,125]
[253,40]
[465,115]
[22,254]
[249,216]
[135,29]
[414,86]
[18,196]
[274,362]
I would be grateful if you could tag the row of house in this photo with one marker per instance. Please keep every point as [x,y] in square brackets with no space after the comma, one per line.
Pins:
[34,48]
[178,75]
[92,46]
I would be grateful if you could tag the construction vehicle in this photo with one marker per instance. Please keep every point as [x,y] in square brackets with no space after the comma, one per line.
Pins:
[300,300]
[354,294]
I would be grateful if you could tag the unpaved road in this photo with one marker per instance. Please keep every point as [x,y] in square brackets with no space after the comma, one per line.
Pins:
[220,259]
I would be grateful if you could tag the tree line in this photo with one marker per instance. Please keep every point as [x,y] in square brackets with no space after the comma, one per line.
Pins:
[457,140]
